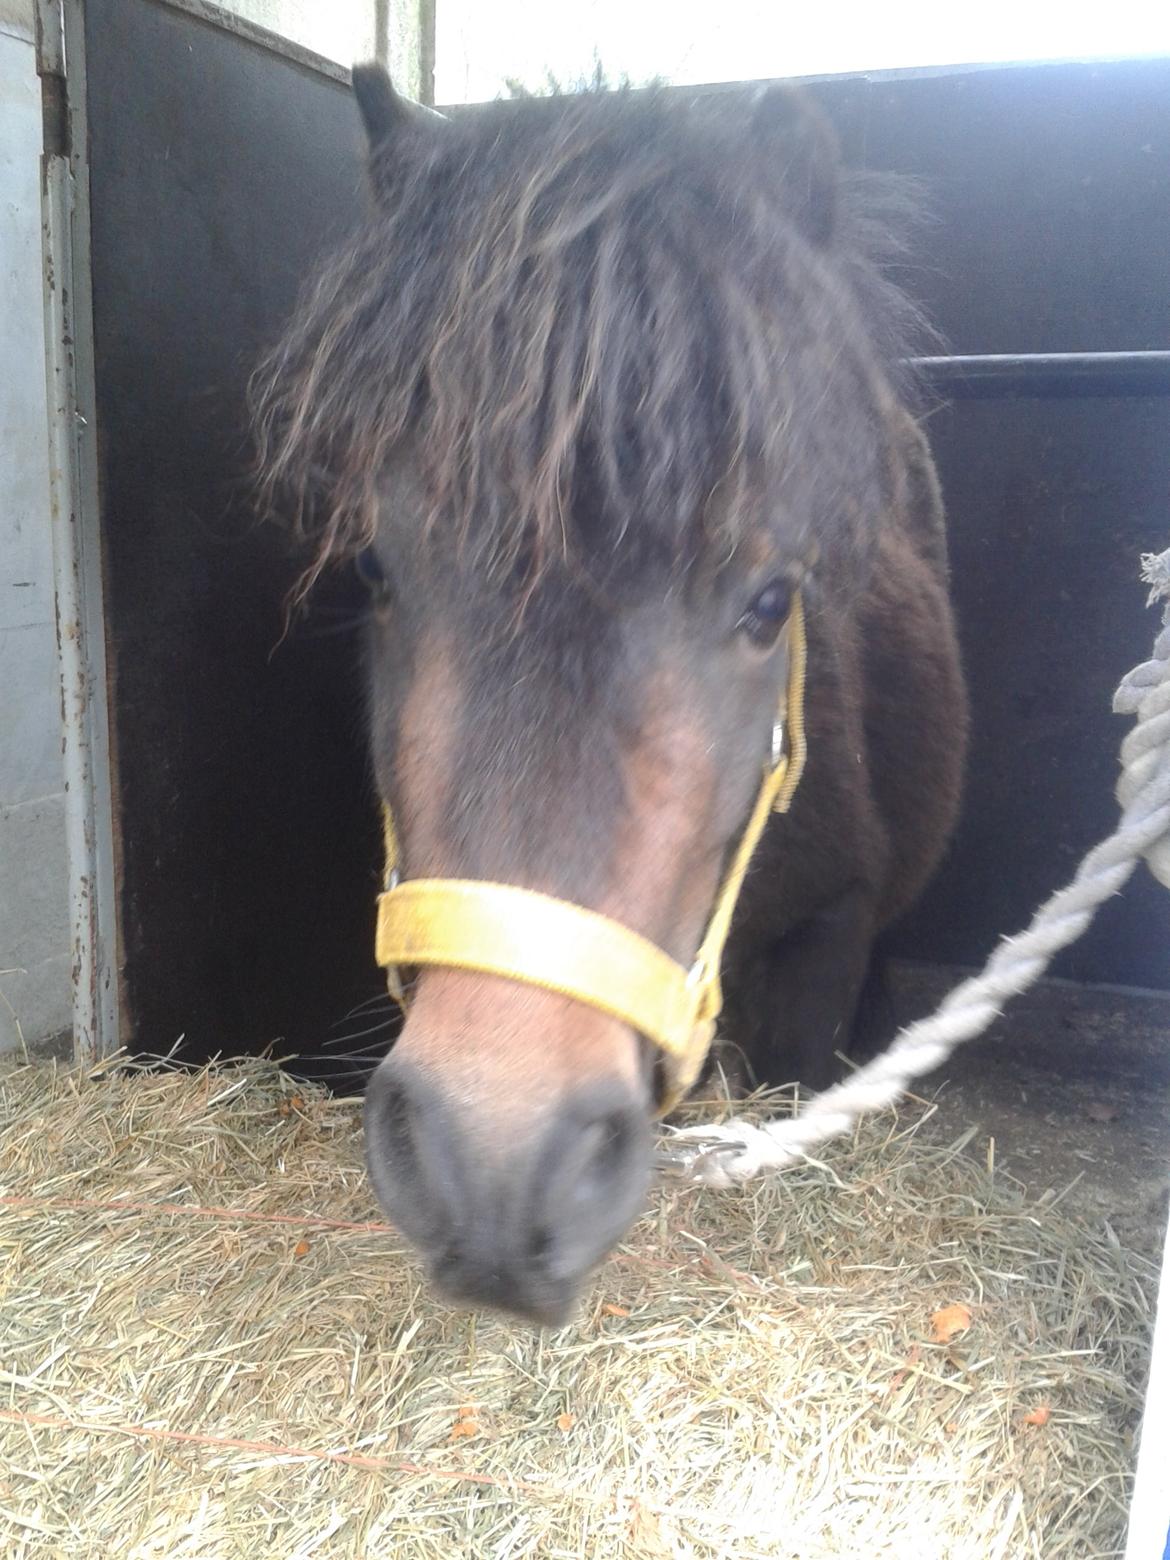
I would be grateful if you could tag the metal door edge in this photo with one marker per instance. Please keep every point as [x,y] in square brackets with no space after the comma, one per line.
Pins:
[76,534]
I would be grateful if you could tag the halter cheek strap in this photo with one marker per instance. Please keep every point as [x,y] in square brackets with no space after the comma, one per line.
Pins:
[498,929]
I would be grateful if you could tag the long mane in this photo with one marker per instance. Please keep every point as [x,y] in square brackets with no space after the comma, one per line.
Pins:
[585,314]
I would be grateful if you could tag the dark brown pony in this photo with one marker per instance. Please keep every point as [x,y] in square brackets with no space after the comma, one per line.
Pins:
[603,380]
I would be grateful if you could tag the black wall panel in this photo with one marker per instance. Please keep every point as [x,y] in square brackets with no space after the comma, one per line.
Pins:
[247,837]
[1051,504]
[1050,188]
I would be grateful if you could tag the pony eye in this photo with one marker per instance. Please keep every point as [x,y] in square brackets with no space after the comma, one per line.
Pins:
[371,573]
[767,614]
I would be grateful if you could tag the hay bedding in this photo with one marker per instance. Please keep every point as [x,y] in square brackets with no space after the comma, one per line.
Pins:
[239,1359]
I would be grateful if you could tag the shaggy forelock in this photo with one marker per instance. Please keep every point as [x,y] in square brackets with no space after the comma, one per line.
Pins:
[584,314]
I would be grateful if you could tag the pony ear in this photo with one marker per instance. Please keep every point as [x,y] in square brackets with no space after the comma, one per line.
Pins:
[383,111]
[797,152]
[387,117]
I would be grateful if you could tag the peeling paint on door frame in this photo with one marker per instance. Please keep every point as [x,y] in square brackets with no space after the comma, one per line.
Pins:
[75,522]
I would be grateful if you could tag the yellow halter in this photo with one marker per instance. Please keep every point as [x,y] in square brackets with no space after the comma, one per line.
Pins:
[497,929]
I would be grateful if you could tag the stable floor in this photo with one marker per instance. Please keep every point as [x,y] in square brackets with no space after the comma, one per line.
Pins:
[1072,1084]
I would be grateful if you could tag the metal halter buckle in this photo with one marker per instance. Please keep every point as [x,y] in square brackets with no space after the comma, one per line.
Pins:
[777,743]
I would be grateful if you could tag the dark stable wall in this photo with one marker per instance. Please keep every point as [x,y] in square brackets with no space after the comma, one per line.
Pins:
[246,828]
[1049,189]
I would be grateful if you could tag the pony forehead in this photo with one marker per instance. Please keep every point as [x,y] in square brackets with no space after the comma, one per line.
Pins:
[584,316]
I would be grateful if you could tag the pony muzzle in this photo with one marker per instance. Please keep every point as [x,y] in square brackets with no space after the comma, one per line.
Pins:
[497,929]
[521,935]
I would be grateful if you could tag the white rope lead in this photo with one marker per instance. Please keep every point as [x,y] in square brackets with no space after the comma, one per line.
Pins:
[735,1151]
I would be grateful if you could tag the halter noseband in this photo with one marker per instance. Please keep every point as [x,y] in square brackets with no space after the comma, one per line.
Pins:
[498,929]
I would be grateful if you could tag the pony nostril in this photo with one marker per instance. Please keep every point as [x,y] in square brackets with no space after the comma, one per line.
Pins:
[539,1246]
[412,1155]
[604,1157]
[396,1127]
[593,1179]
